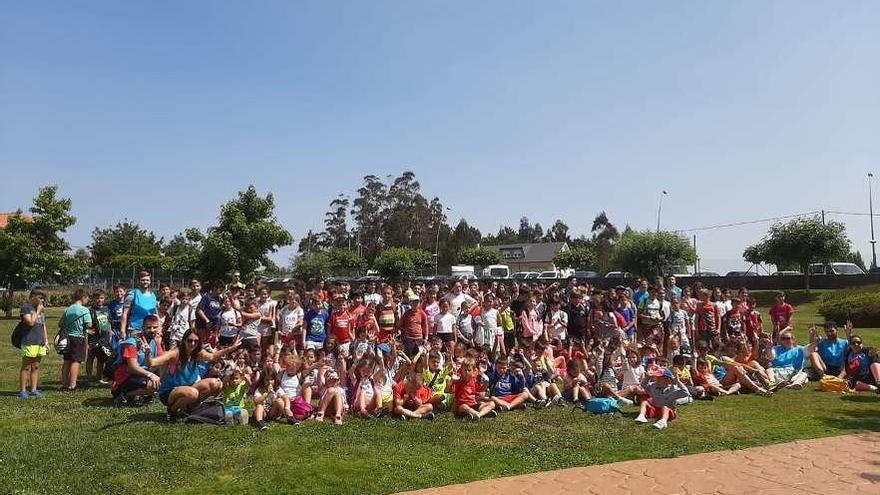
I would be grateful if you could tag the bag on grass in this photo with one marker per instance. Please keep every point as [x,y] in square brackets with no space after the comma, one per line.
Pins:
[831,383]
[602,405]
[209,412]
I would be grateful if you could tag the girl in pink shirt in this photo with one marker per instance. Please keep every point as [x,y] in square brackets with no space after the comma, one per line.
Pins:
[530,320]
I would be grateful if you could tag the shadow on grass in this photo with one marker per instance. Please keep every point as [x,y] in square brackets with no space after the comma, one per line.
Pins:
[98,402]
[139,417]
[853,420]
[861,398]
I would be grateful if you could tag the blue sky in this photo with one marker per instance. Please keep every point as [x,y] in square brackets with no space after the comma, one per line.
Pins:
[161,111]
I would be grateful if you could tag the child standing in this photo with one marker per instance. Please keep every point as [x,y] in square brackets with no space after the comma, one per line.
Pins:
[33,344]
[235,389]
[99,337]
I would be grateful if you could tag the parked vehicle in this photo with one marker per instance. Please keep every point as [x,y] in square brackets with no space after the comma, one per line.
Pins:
[580,275]
[519,275]
[677,271]
[836,268]
[707,274]
[555,274]
[462,271]
[496,271]
[532,275]
[787,273]
[618,275]
[741,274]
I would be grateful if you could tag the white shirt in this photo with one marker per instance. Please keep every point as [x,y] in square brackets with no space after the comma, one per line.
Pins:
[445,323]
[290,318]
[229,323]
[455,301]
[265,327]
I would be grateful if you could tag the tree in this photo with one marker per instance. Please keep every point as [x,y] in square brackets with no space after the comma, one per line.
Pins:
[479,256]
[856,258]
[800,242]
[345,263]
[557,233]
[648,253]
[367,211]
[400,262]
[247,231]
[312,267]
[32,248]
[185,249]
[579,258]
[462,237]
[605,235]
[505,235]
[126,238]
[336,234]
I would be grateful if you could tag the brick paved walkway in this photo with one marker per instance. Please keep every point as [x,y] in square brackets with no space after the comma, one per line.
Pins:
[845,464]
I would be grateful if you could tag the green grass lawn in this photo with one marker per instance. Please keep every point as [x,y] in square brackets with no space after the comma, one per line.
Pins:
[80,444]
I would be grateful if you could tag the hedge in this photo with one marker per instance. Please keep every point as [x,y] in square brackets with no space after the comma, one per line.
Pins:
[862,307]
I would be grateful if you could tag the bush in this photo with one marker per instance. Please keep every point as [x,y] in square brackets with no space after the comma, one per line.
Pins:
[862,307]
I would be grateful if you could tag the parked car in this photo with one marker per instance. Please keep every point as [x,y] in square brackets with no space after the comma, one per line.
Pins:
[519,275]
[497,271]
[532,275]
[618,275]
[550,275]
[707,274]
[580,275]
[787,273]
[742,274]
[836,268]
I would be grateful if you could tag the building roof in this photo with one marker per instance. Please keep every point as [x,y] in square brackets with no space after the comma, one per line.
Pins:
[4,218]
[530,252]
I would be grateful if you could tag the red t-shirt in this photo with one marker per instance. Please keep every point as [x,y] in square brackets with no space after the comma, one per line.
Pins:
[707,318]
[121,375]
[465,391]
[780,315]
[414,324]
[423,393]
[340,327]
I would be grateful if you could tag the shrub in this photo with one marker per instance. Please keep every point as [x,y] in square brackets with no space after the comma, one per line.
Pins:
[862,307]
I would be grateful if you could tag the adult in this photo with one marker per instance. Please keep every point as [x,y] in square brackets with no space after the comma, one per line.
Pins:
[371,296]
[672,291]
[77,318]
[183,387]
[236,281]
[861,366]
[641,294]
[195,292]
[138,303]
[828,358]
[577,313]
[33,344]
[456,296]
[132,379]
[787,360]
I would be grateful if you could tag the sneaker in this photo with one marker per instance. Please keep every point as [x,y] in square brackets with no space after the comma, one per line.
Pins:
[625,401]
[641,419]
[23,395]
[660,424]
[171,416]
[559,401]
[36,394]
[103,381]
[493,413]
[541,403]
[293,421]
[474,417]
[428,416]
[504,408]
[261,426]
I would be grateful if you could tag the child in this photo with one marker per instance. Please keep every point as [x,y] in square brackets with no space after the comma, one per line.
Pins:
[680,328]
[332,395]
[780,314]
[468,388]
[507,387]
[77,318]
[412,398]
[182,320]
[366,396]
[508,324]
[368,322]
[682,370]
[575,384]
[99,337]
[436,377]
[290,323]
[250,325]
[265,397]
[465,325]
[662,393]
[266,307]
[33,344]
[340,325]
[556,321]
[608,384]
[540,381]
[114,309]
[230,323]
[316,325]
[235,389]
[706,379]
[708,321]
[445,325]
[289,386]
[490,325]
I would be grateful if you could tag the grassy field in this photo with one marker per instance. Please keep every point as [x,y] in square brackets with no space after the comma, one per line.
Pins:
[80,444]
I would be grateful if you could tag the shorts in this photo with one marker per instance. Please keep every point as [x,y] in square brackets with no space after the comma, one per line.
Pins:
[76,349]
[132,383]
[411,346]
[314,345]
[446,337]
[509,340]
[33,351]
[163,397]
[507,398]
[832,370]
[291,339]
[654,412]
[232,410]
[387,400]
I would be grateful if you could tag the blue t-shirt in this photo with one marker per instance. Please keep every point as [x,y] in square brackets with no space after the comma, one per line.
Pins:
[183,376]
[141,304]
[793,357]
[832,352]
[211,306]
[316,325]
[639,297]
[506,384]
[114,310]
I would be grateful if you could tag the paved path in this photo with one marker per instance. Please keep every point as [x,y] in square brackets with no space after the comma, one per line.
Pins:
[846,464]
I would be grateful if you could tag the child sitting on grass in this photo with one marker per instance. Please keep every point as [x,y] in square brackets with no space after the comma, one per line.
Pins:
[235,389]
[469,391]
[663,392]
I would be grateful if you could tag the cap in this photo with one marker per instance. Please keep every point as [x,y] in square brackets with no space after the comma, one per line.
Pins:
[413,297]
[384,347]
[332,375]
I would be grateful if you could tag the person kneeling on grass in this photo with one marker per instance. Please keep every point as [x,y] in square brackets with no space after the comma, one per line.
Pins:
[469,390]
[132,379]
[663,392]
[412,398]
[508,387]
[183,388]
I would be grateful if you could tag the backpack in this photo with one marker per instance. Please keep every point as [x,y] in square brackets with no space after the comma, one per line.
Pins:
[19,332]
[114,359]
[209,412]
[602,405]
[831,383]
[60,342]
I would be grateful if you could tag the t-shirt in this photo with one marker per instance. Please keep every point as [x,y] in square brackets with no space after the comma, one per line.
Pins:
[77,317]
[229,323]
[678,326]
[114,309]
[832,352]
[577,320]
[431,310]
[211,306]
[780,315]
[707,318]
[436,380]
[291,318]
[506,384]
[466,390]
[36,335]
[180,322]
[265,327]
[289,385]
[785,358]
[858,364]
[423,392]
[455,301]
[140,304]
[447,321]
[414,324]
[340,326]
[129,349]
[100,319]
[251,330]
[234,395]
[316,325]
[386,317]
[557,323]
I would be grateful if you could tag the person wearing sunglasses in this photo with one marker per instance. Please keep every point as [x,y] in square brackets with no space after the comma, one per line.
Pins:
[787,360]
[183,387]
[861,366]
[828,358]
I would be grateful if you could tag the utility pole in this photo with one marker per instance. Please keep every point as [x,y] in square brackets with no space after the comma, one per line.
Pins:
[659,209]
[871,214]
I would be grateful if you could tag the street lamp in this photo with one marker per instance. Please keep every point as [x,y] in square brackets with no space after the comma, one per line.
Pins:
[659,209]
[871,214]
[437,243]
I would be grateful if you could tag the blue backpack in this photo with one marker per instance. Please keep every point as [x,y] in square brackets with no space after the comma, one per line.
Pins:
[602,405]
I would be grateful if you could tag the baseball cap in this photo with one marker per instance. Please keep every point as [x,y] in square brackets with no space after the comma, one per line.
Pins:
[384,347]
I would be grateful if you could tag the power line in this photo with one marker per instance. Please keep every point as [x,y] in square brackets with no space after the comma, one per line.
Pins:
[749,222]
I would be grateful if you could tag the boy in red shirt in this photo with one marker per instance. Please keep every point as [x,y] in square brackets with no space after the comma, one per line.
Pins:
[780,314]
[708,320]
[341,324]
[412,398]
[467,386]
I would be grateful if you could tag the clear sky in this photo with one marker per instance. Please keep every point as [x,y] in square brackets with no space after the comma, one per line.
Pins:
[161,111]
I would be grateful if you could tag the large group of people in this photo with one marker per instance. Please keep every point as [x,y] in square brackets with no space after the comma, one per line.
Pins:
[413,349]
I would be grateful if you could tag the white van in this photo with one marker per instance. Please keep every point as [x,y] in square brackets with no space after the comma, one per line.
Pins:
[837,268]
[496,271]
[462,271]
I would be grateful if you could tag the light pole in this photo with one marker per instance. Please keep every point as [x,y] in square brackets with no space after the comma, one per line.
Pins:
[659,209]
[437,242]
[871,214]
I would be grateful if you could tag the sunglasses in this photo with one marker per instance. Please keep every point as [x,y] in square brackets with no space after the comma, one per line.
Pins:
[856,342]
[787,338]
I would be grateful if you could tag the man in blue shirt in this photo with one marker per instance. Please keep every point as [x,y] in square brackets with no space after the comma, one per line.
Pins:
[139,303]
[829,358]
